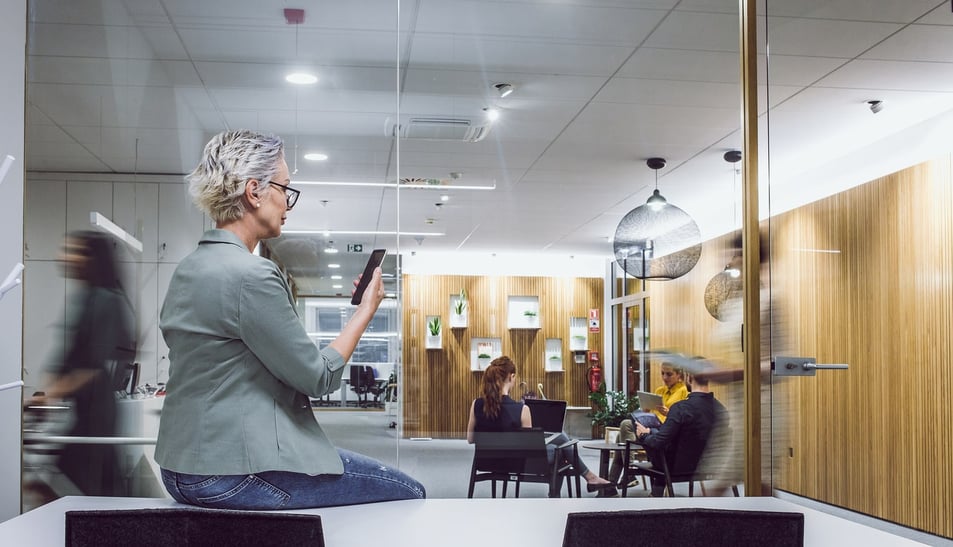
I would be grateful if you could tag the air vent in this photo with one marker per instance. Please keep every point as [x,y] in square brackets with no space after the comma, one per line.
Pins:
[440,129]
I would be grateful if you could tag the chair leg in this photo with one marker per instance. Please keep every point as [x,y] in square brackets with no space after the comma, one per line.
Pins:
[702,485]
[493,488]
[505,483]
[470,489]
[734,488]
[691,489]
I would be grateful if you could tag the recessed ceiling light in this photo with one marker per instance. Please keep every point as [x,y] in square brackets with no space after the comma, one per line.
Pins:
[445,197]
[330,250]
[492,114]
[337,277]
[301,78]
[316,156]
[503,89]
[333,266]
[336,286]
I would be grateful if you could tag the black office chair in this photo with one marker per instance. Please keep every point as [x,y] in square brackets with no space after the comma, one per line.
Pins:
[358,383]
[689,471]
[520,456]
[374,386]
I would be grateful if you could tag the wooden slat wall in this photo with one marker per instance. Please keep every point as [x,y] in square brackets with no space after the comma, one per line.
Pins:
[878,438]
[439,385]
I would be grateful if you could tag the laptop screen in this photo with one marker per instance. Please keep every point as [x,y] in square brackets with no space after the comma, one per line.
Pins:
[547,415]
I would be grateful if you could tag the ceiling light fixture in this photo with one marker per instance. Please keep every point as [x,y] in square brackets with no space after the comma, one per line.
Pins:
[334,266]
[360,233]
[441,187]
[657,240]
[492,114]
[875,105]
[656,201]
[301,78]
[316,156]
[503,89]
[330,248]
[336,277]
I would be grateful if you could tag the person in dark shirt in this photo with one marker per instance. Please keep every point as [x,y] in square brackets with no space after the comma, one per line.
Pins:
[689,427]
[496,411]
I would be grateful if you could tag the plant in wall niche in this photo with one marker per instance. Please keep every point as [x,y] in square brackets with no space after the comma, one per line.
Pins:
[434,326]
[483,356]
[555,357]
[529,314]
[461,304]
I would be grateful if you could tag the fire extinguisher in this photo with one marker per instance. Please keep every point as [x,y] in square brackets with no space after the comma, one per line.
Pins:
[594,373]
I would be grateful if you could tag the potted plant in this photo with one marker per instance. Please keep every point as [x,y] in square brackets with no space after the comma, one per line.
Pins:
[609,408]
[433,327]
[459,316]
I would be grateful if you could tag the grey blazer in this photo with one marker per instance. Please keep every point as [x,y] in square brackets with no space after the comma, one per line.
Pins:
[241,369]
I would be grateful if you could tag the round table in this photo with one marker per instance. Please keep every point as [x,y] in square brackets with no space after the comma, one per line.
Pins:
[605,449]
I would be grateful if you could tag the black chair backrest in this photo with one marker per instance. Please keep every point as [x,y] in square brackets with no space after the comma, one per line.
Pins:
[191,527]
[356,377]
[547,414]
[368,377]
[676,527]
[509,451]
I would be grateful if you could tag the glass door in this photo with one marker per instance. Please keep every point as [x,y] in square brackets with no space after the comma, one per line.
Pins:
[858,209]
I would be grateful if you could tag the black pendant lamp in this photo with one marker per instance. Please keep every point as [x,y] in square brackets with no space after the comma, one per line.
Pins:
[657,240]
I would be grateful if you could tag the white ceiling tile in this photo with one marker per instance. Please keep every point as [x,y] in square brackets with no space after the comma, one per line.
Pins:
[473,53]
[687,65]
[892,75]
[688,30]
[854,10]
[825,38]
[671,93]
[916,43]
[551,22]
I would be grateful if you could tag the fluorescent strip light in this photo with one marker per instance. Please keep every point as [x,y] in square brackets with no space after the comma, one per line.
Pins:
[441,187]
[12,280]
[7,162]
[360,233]
[106,225]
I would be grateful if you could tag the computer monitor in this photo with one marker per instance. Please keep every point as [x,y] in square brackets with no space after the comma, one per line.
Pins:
[547,414]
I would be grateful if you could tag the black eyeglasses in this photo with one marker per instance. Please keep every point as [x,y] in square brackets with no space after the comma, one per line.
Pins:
[291,195]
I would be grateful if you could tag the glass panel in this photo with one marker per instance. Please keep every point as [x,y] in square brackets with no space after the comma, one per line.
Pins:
[857,153]
[121,99]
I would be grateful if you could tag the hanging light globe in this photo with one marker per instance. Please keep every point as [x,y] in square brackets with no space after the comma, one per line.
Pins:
[657,240]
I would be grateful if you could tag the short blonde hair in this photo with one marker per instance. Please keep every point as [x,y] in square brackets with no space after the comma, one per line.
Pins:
[229,160]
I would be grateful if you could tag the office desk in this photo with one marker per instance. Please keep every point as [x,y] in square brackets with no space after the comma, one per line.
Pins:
[451,521]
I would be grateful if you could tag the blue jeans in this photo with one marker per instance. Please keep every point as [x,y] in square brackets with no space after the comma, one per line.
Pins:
[364,480]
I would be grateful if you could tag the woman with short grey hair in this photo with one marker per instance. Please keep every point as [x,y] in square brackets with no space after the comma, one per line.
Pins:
[237,430]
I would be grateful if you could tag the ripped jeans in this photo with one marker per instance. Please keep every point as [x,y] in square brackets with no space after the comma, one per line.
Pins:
[365,480]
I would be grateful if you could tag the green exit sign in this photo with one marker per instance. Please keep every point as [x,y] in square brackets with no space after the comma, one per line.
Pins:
[355,248]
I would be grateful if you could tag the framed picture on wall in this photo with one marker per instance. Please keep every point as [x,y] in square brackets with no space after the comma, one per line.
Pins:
[612,435]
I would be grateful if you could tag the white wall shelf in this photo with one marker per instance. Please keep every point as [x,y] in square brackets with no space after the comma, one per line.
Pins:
[522,312]
[578,334]
[459,320]
[433,341]
[553,355]
[489,348]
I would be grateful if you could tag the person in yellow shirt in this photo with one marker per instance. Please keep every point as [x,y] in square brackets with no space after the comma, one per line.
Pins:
[672,390]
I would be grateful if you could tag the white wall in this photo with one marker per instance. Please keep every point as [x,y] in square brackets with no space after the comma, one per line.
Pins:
[12,69]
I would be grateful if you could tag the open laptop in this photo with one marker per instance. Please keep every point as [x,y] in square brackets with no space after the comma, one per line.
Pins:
[547,415]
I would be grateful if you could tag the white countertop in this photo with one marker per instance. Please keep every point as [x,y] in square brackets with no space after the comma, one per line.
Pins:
[537,521]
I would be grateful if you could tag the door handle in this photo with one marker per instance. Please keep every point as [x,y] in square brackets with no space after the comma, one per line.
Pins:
[801,366]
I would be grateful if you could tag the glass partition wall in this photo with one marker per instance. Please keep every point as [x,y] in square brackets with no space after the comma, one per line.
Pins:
[502,131]
[496,130]
[857,210]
